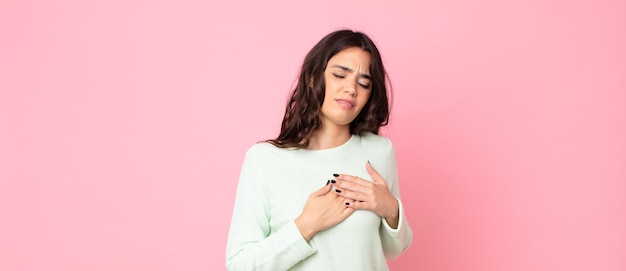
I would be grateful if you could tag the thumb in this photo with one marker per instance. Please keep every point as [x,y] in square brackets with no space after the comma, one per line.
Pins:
[322,191]
[372,172]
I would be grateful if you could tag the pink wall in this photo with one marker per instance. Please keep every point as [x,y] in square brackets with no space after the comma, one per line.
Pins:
[124,124]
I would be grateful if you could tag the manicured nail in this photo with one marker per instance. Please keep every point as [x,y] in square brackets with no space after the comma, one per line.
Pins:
[368,161]
[338,191]
[347,203]
[333,181]
[335,174]
[327,182]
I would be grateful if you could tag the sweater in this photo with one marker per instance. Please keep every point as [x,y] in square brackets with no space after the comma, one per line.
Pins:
[273,187]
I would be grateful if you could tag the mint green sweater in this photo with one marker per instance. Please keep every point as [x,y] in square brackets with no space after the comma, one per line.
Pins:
[273,187]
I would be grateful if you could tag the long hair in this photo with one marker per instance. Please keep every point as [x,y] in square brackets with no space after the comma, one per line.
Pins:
[302,118]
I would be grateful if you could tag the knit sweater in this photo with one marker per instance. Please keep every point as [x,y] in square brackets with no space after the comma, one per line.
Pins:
[273,188]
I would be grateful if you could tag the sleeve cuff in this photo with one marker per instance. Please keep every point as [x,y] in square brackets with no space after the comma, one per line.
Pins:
[401,220]
[296,242]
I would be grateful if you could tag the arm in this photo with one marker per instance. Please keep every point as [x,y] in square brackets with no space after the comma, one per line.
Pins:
[250,245]
[395,240]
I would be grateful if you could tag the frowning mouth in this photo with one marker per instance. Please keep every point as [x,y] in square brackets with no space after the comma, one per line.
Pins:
[346,103]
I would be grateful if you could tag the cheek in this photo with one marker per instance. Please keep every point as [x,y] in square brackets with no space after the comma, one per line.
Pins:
[330,85]
[365,95]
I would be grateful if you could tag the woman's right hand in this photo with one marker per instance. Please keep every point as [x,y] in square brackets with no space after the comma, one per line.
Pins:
[322,211]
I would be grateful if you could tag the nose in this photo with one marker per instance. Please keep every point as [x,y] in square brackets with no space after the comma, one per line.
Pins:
[351,87]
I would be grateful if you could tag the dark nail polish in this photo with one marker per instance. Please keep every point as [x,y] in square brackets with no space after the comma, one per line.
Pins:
[347,203]
[327,182]
[333,181]
[335,174]
[368,161]
[338,191]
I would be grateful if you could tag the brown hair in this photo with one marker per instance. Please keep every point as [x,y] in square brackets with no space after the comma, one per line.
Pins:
[302,118]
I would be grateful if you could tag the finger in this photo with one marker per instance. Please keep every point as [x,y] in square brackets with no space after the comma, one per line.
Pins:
[346,202]
[357,205]
[372,172]
[351,195]
[353,179]
[322,191]
[361,186]
[347,212]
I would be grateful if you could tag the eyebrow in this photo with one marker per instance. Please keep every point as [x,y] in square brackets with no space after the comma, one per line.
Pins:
[364,75]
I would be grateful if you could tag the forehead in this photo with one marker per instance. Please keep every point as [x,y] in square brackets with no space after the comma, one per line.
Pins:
[354,58]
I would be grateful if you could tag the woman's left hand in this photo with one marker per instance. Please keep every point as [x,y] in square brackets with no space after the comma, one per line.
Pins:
[366,195]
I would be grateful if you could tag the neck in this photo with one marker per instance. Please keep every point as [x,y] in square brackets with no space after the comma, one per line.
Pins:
[326,138]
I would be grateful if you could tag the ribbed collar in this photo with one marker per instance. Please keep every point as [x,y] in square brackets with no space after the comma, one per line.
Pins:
[342,153]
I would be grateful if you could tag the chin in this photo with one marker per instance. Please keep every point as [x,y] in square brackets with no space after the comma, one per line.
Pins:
[345,123]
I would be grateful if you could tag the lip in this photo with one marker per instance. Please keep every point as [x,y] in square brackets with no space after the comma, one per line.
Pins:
[346,103]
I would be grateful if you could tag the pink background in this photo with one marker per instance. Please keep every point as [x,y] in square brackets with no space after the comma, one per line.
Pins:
[124,125]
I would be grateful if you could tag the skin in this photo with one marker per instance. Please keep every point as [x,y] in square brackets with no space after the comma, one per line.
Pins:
[348,88]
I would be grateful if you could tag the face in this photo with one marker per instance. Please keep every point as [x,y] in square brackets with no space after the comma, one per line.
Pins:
[348,87]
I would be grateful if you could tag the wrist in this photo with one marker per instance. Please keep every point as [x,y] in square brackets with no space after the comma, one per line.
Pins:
[394,210]
[393,217]
[305,228]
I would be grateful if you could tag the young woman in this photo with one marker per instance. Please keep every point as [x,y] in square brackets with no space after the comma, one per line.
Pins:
[324,194]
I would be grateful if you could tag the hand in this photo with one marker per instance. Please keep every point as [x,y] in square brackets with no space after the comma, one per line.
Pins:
[366,195]
[322,210]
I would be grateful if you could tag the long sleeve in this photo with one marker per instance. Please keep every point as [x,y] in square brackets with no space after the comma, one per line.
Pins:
[395,241]
[251,244]
[273,187]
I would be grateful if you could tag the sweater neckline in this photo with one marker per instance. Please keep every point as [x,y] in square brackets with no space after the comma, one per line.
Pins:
[333,155]
[343,145]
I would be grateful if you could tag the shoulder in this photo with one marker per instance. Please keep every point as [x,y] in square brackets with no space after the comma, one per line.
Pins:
[372,140]
[261,149]
[267,151]
[377,145]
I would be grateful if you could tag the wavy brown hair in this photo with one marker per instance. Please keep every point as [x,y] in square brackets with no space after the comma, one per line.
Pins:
[302,117]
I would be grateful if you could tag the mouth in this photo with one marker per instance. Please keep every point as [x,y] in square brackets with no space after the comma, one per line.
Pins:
[346,103]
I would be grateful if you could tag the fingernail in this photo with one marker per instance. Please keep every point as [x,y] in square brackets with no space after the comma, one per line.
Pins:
[333,181]
[347,203]
[368,161]
[338,191]
[327,182]
[335,174]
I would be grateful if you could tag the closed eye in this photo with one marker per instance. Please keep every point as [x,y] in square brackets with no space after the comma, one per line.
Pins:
[365,83]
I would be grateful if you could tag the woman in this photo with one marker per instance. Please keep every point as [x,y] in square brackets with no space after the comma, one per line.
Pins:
[282,219]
